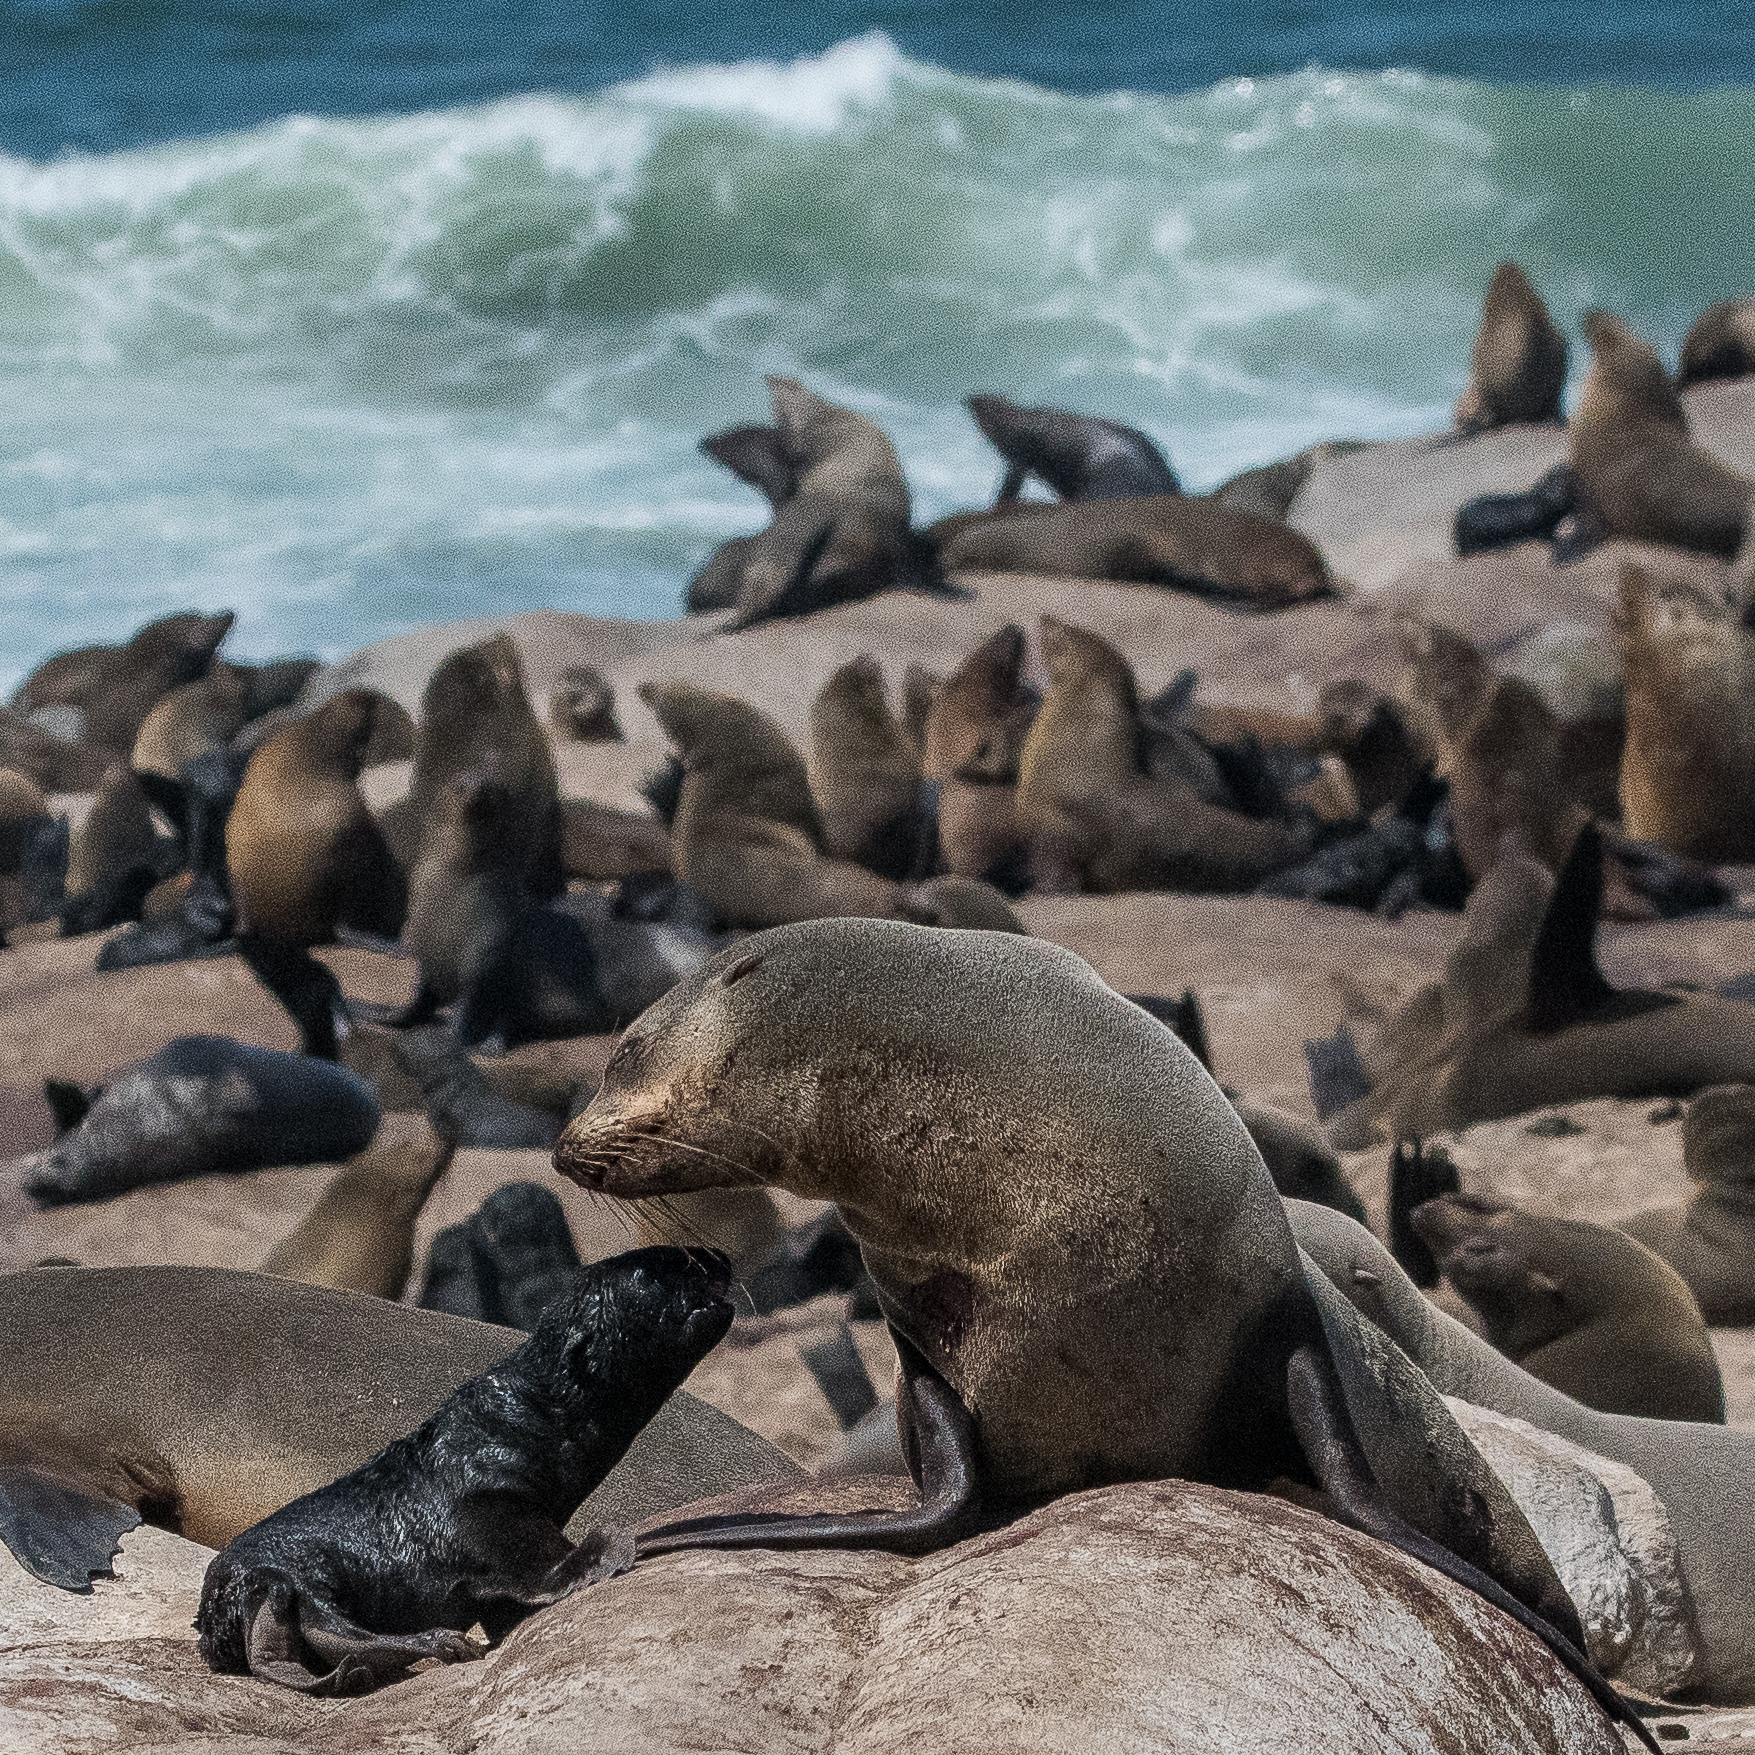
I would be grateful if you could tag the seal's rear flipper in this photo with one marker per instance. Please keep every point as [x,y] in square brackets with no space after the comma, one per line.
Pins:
[1325,1429]
[1416,1176]
[288,1629]
[57,1533]
[1337,1075]
[938,1440]
[1565,982]
[68,1103]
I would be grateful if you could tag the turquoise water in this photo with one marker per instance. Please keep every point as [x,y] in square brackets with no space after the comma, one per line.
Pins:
[349,374]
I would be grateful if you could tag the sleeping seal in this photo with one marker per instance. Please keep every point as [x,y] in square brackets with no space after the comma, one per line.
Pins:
[1088,1271]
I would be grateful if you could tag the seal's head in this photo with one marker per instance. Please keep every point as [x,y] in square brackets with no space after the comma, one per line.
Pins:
[478,679]
[340,731]
[977,721]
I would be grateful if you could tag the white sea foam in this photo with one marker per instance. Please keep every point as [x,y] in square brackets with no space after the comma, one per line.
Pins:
[349,374]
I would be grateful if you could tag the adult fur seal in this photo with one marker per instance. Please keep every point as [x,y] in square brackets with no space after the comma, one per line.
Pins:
[203,1105]
[255,1390]
[359,1237]
[514,969]
[1688,763]
[972,742]
[840,531]
[1518,367]
[1710,1242]
[1198,545]
[476,715]
[865,775]
[1079,456]
[748,835]
[1580,1306]
[1704,1474]
[1148,1214]
[1522,1017]
[115,858]
[1720,345]
[1096,820]
[1639,475]
[304,852]
[115,687]
[463,1520]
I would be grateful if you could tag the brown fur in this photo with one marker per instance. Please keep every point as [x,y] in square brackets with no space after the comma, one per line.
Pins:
[475,716]
[582,707]
[1637,470]
[864,771]
[1580,1306]
[116,835]
[117,686]
[598,841]
[1517,369]
[1096,821]
[747,834]
[191,720]
[1710,1241]
[1164,540]
[210,1398]
[842,533]
[359,1237]
[1721,344]
[304,851]
[1688,763]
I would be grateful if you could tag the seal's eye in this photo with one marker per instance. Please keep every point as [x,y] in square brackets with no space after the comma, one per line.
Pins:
[742,967]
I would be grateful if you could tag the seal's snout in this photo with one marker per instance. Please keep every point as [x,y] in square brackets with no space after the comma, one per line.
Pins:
[714,1266]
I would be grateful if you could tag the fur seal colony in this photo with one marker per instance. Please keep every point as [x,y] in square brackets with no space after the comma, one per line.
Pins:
[1431,796]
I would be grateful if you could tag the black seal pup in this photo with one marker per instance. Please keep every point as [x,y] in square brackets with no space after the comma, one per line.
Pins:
[462,1521]
[1080,456]
[202,1105]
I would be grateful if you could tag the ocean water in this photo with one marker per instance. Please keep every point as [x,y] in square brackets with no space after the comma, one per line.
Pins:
[366,332]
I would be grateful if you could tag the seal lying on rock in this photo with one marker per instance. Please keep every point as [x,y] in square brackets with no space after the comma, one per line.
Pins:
[1522,1017]
[1710,1242]
[1079,456]
[462,1520]
[1197,545]
[1135,1309]
[1518,367]
[203,1399]
[202,1105]
[1580,1306]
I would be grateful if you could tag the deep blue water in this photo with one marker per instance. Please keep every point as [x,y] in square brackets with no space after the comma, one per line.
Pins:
[355,317]
[101,74]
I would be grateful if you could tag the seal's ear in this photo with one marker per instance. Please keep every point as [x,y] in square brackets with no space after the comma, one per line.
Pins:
[57,1533]
[1565,982]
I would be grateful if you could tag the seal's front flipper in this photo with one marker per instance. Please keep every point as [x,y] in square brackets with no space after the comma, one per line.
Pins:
[1337,1075]
[1565,981]
[1416,1175]
[57,1533]
[1331,1446]
[287,1629]
[307,989]
[68,1103]
[938,1441]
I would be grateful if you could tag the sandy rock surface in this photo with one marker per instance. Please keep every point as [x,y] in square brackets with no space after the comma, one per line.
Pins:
[1163,1617]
